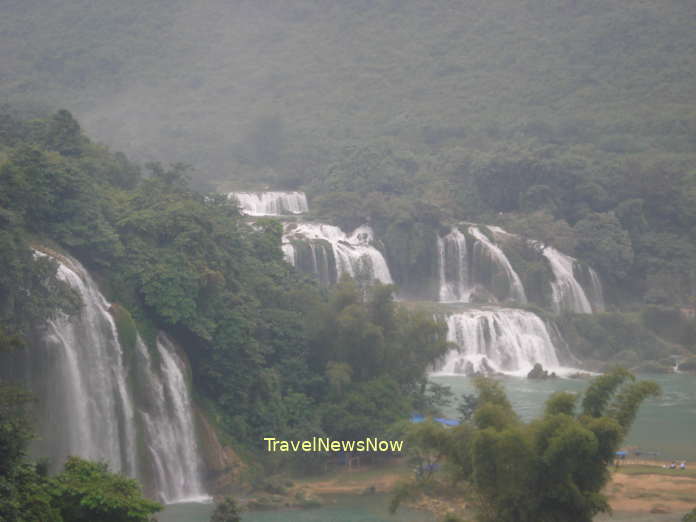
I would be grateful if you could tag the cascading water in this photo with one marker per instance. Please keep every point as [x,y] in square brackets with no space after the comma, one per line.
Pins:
[486,253]
[454,267]
[484,266]
[596,291]
[169,426]
[270,203]
[472,267]
[497,340]
[330,253]
[567,294]
[289,253]
[92,400]
[78,373]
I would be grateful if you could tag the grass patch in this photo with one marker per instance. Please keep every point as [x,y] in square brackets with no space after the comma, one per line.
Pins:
[639,469]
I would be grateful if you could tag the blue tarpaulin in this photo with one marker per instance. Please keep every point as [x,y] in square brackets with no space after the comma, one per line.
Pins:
[441,420]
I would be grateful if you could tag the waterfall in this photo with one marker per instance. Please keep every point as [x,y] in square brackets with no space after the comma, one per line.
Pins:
[102,401]
[78,373]
[567,294]
[289,253]
[483,266]
[497,340]
[169,426]
[270,203]
[330,253]
[596,291]
[453,267]
[486,253]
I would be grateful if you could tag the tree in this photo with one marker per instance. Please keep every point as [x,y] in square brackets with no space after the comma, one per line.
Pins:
[86,491]
[605,245]
[63,134]
[552,469]
[226,511]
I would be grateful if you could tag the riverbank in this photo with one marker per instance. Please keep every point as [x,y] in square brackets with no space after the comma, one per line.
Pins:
[635,490]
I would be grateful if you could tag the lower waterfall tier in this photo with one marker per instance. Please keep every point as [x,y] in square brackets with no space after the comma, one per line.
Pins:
[498,340]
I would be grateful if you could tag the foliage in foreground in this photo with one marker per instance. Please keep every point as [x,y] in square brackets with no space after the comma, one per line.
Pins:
[552,469]
[226,511]
[84,492]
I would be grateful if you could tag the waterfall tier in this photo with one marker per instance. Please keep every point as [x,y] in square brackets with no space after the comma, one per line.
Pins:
[326,252]
[567,293]
[501,340]
[170,431]
[102,401]
[270,203]
[467,265]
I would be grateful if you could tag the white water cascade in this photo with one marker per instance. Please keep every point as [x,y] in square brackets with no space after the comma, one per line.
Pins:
[485,249]
[567,293]
[496,339]
[483,265]
[170,430]
[332,253]
[453,267]
[94,395]
[596,291]
[272,203]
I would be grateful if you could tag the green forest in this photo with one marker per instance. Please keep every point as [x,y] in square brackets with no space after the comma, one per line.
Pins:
[123,126]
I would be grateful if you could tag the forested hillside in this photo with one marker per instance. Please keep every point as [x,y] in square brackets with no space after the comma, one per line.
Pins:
[455,189]
[271,352]
[405,113]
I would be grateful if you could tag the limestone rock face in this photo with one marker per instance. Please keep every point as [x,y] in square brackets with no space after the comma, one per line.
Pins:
[223,464]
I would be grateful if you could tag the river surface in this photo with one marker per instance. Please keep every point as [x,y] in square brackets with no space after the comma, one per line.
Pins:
[666,425]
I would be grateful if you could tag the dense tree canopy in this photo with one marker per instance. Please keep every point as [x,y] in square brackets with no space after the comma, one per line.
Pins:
[552,469]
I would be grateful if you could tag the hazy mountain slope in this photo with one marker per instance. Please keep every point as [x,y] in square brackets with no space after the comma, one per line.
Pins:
[205,82]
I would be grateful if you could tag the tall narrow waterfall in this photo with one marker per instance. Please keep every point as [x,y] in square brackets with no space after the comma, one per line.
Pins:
[596,291]
[78,373]
[170,432]
[99,400]
[497,340]
[567,293]
[327,252]
[454,267]
[270,203]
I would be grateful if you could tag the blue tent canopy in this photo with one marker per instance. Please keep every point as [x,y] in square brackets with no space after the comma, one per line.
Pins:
[441,420]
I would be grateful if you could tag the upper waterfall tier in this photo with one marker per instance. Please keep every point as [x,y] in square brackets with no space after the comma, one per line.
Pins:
[272,203]
[103,401]
[496,339]
[568,293]
[475,265]
[326,252]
